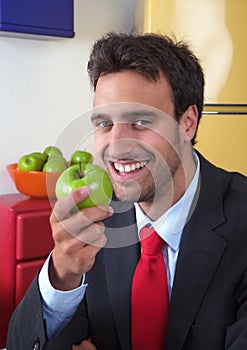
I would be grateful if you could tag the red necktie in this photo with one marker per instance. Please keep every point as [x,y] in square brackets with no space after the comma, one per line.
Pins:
[150,299]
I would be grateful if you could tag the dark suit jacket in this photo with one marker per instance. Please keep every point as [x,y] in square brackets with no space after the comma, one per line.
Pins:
[208,307]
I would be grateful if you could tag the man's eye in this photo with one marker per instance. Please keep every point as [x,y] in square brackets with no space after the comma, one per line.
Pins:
[103,124]
[141,123]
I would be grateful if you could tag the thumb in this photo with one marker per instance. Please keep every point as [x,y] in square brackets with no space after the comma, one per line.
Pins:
[84,345]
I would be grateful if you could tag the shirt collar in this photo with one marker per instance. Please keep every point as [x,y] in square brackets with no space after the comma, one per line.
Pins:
[170,225]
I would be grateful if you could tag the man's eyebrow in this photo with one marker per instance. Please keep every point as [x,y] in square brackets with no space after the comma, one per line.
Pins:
[97,116]
[139,113]
[125,115]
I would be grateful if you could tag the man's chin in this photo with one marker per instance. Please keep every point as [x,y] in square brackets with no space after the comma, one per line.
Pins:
[123,197]
[125,194]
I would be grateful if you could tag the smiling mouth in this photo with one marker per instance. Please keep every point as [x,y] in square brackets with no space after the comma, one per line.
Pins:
[128,168]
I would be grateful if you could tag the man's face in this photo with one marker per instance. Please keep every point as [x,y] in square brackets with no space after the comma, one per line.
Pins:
[136,135]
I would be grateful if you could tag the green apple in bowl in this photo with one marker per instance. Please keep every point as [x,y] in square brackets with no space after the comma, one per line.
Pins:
[29,163]
[81,156]
[51,151]
[55,164]
[43,157]
[90,175]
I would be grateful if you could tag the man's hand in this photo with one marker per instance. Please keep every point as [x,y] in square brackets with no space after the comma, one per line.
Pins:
[85,345]
[78,236]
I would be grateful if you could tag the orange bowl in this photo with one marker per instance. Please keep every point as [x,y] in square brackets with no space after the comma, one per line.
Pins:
[35,184]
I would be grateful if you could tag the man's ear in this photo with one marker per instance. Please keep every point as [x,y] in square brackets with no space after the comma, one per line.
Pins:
[188,122]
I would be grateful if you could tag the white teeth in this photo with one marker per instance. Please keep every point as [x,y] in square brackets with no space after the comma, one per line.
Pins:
[121,169]
[129,167]
[133,167]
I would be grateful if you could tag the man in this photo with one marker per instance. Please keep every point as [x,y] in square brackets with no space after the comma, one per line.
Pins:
[147,106]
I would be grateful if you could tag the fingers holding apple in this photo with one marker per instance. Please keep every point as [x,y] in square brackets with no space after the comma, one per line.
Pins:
[78,238]
[72,257]
[64,206]
[85,225]
[89,175]
[78,234]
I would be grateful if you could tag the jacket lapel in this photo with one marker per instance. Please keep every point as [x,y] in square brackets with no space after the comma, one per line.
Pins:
[196,265]
[200,253]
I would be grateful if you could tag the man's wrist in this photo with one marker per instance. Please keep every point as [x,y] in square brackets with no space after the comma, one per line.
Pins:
[59,300]
[63,283]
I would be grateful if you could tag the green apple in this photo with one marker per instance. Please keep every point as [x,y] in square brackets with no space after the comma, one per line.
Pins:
[55,164]
[51,151]
[82,157]
[29,163]
[43,157]
[59,158]
[90,175]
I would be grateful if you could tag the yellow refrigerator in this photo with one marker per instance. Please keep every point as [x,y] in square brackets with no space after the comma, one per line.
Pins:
[216,30]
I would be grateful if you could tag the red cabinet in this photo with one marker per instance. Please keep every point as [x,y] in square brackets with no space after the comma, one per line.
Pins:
[25,242]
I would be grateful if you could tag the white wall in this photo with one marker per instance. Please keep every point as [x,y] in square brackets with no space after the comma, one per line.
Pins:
[44,84]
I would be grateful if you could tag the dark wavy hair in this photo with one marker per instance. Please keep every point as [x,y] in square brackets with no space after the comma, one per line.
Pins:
[150,54]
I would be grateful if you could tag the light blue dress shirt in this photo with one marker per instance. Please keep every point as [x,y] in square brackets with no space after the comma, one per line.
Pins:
[59,306]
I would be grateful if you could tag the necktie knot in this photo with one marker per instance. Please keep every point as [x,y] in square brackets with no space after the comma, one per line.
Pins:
[151,242]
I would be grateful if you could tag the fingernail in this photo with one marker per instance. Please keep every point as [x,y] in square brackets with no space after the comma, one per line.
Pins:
[85,191]
[110,210]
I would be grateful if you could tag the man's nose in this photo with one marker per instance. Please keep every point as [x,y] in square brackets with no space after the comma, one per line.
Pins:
[120,131]
[121,140]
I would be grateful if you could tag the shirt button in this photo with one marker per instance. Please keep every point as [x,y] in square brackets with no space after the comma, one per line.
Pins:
[36,344]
